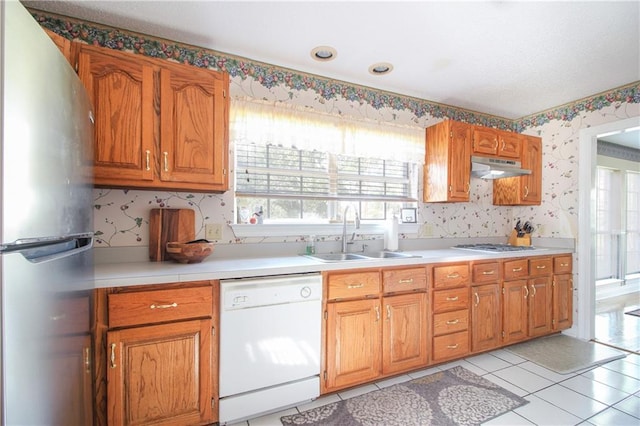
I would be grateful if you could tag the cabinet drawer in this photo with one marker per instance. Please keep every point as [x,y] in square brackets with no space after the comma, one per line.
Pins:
[562,264]
[450,276]
[353,285]
[147,307]
[70,315]
[516,269]
[539,267]
[395,280]
[451,345]
[486,272]
[450,300]
[450,322]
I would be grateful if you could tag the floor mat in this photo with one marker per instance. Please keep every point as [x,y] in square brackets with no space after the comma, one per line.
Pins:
[452,397]
[565,354]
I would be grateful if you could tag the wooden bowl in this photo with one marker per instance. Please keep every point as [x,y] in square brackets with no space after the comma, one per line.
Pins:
[191,252]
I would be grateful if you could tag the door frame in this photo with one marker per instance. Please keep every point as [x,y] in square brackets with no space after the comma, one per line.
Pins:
[587,161]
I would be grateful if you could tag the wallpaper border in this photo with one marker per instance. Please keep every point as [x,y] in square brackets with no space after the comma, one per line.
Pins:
[270,76]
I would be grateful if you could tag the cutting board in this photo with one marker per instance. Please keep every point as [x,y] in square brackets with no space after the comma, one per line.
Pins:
[169,225]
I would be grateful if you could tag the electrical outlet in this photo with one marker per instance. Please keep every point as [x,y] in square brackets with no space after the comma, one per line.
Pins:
[213,231]
[426,230]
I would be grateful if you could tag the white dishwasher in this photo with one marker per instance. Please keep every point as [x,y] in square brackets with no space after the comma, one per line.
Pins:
[269,344]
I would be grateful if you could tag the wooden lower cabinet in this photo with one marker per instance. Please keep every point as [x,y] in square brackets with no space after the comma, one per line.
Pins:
[540,306]
[404,333]
[157,354]
[563,301]
[160,374]
[353,343]
[382,332]
[514,311]
[486,329]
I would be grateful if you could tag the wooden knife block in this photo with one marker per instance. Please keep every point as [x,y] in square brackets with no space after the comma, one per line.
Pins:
[514,240]
[167,225]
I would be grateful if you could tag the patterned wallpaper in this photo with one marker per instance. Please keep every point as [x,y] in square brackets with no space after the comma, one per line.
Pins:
[121,216]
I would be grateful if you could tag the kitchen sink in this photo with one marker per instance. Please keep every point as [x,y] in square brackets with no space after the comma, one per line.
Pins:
[341,257]
[337,257]
[387,255]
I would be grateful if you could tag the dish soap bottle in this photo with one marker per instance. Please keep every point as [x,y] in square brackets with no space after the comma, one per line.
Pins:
[311,244]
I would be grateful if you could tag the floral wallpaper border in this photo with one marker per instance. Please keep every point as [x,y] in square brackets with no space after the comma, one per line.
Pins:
[270,76]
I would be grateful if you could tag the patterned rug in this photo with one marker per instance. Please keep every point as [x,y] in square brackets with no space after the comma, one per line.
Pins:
[634,313]
[452,397]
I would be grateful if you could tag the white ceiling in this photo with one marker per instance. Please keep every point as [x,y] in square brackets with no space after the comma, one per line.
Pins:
[506,58]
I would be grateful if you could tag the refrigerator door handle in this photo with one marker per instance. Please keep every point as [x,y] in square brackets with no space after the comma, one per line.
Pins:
[38,250]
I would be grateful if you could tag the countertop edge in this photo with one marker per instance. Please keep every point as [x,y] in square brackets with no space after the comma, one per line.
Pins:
[147,273]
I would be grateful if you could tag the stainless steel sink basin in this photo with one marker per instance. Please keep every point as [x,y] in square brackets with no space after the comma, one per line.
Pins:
[337,257]
[387,255]
[341,257]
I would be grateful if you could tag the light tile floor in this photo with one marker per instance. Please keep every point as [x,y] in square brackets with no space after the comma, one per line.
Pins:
[605,395]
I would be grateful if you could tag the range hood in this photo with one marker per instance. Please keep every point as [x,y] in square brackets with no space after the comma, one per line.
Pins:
[496,168]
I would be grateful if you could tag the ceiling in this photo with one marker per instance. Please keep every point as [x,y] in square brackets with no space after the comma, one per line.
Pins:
[505,58]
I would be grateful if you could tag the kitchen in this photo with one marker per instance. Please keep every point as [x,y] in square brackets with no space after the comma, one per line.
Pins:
[120,216]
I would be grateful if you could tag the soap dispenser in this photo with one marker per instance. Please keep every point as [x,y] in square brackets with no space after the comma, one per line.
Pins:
[391,234]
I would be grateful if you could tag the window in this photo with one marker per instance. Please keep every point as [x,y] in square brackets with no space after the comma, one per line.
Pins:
[299,166]
[617,223]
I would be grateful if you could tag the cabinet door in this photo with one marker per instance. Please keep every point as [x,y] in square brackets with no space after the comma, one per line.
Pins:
[459,162]
[71,369]
[160,374]
[485,141]
[509,145]
[62,43]
[531,185]
[121,88]
[353,343]
[194,136]
[447,169]
[404,336]
[486,325]
[514,310]
[562,301]
[540,306]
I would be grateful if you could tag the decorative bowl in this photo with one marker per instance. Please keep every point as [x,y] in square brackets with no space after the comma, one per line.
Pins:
[189,252]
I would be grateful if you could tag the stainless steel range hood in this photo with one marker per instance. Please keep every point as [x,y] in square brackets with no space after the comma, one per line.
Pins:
[496,168]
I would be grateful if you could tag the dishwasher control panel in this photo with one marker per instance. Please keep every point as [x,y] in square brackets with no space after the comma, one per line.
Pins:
[273,290]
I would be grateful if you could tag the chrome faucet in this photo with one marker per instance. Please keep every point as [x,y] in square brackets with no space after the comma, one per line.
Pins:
[344,228]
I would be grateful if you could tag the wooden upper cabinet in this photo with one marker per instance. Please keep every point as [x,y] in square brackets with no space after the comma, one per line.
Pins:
[158,124]
[527,189]
[194,135]
[447,170]
[62,43]
[121,88]
[494,142]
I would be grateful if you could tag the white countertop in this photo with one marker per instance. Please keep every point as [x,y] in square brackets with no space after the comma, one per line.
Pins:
[140,273]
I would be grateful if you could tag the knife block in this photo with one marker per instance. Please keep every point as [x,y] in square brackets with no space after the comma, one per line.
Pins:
[514,240]
[168,225]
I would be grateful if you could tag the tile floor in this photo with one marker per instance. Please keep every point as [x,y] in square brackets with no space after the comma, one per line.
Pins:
[613,326]
[606,395]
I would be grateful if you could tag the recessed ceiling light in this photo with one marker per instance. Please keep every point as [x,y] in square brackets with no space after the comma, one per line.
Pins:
[381,68]
[323,53]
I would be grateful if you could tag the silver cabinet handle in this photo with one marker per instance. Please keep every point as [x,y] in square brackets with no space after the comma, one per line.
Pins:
[148,159]
[477,298]
[409,281]
[360,285]
[533,289]
[527,291]
[166,161]
[452,299]
[488,272]
[452,346]
[377,313]
[517,269]
[454,275]
[453,322]
[388,312]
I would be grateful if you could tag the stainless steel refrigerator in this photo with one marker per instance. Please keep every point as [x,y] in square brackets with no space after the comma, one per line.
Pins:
[46,233]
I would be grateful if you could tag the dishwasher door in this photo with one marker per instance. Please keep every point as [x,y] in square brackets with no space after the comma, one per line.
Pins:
[269,332]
